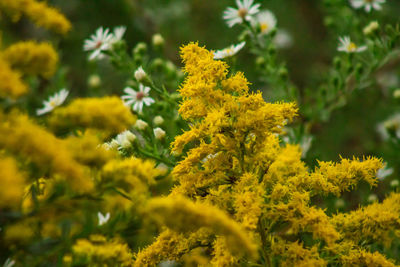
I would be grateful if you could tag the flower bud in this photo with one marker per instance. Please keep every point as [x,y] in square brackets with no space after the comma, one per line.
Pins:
[158,120]
[396,93]
[371,27]
[114,144]
[159,133]
[158,40]
[140,49]
[339,203]
[140,75]
[372,198]
[94,81]
[141,125]
[394,183]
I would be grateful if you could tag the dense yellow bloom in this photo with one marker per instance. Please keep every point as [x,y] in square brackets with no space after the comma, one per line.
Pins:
[32,58]
[168,246]
[338,177]
[222,255]
[20,232]
[11,84]
[378,222]
[39,12]
[295,254]
[12,183]
[97,251]
[360,257]
[21,136]
[183,215]
[236,170]
[86,149]
[108,114]
[131,176]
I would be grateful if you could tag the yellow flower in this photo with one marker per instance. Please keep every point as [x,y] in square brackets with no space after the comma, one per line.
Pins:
[12,183]
[11,84]
[39,12]
[107,114]
[21,136]
[32,58]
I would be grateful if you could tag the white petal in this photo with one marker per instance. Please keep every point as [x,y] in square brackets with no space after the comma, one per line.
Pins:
[130,91]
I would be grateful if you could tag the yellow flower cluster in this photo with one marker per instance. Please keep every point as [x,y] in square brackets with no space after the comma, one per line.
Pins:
[32,58]
[236,174]
[182,215]
[108,114]
[24,138]
[11,84]
[97,251]
[39,12]
[12,183]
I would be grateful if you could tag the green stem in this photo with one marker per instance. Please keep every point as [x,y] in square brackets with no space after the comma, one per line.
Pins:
[261,230]
[156,157]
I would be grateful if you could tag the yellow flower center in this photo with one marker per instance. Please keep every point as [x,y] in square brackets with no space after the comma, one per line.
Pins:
[228,50]
[53,103]
[264,27]
[352,47]
[242,12]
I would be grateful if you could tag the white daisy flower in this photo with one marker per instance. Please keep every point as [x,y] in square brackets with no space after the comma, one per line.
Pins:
[103,218]
[368,5]
[125,139]
[98,42]
[346,45]
[118,33]
[229,51]
[266,21]
[137,98]
[244,12]
[54,101]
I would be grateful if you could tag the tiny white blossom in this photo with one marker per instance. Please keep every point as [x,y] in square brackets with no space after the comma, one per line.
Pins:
[54,101]
[283,39]
[159,133]
[383,172]
[141,125]
[118,33]
[103,218]
[94,81]
[394,183]
[158,120]
[372,198]
[125,139]
[137,98]
[340,203]
[140,74]
[266,21]
[371,27]
[9,263]
[114,144]
[229,51]
[368,5]
[105,146]
[98,42]
[243,13]
[346,45]
[158,40]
